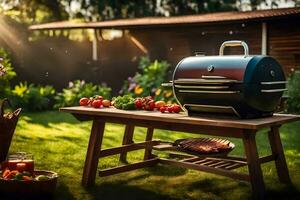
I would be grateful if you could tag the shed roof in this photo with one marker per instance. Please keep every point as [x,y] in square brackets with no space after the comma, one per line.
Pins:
[220,17]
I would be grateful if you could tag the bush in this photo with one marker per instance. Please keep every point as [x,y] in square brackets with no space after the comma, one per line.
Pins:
[293,102]
[5,88]
[70,96]
[149,81]
[33,98]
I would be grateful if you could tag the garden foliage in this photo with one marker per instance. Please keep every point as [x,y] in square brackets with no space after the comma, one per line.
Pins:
[9,74]
[293,101]
[32,97]
[71,95]
[148,81]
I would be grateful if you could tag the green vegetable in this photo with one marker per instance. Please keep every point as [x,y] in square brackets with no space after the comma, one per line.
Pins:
[18,176]
[125,102]
[26,174]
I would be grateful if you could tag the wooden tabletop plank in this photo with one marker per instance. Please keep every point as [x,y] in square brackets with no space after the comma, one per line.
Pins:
[182,118]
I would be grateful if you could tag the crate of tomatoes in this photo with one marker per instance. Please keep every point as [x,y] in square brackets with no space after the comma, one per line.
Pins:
[18,179]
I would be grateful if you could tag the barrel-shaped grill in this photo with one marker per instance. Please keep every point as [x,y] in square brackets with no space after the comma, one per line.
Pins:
[245,86]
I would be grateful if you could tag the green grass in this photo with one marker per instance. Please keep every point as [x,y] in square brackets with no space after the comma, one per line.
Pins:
[59,143]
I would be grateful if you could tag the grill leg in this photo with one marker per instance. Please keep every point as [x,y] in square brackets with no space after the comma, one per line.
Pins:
[255,173]
[91,161]
[278,153]
[127,139]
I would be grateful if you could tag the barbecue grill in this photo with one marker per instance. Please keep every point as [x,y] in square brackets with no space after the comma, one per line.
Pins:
[248,86]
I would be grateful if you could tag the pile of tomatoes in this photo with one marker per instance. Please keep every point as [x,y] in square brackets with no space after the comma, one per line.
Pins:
[147,103]
[170,109]
[17,175]
[96,102]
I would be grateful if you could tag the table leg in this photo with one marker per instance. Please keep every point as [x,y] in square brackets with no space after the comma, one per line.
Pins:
[148,151]
[278,153]
[127,139]
[91,161]
[255,172]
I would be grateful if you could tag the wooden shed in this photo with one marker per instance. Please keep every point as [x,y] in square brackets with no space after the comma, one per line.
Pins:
[273,32]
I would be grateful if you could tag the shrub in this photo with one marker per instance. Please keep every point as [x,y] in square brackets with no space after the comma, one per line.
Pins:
[149,80]
[70,96]
[33,97]
[293,102]
[9,74]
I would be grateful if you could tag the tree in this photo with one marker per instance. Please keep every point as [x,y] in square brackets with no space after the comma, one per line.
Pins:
[35,11]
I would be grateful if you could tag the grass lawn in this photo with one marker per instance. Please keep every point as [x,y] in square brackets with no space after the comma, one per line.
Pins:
[59,142]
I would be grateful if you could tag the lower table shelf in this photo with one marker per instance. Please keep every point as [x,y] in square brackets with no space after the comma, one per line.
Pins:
[221,166]
[220,163]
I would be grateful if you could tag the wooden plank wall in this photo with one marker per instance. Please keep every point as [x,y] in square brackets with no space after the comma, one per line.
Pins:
[175,43]
[284,43]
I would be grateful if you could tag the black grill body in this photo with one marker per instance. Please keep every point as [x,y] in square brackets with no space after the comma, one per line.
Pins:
[245,86]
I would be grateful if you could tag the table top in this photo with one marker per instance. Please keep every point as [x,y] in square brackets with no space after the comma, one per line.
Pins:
[183,118]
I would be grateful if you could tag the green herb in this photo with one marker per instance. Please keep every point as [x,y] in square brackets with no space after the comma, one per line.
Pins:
[125,102]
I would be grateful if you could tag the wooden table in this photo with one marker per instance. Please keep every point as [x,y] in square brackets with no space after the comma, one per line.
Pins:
[221,126]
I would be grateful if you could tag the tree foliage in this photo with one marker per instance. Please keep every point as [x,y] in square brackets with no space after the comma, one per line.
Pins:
[115,9]
[34,11]
[37,11]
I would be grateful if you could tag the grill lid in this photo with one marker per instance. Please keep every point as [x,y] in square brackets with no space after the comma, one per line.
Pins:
[247,86]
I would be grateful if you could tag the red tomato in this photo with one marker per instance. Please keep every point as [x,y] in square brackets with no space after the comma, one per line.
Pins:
[98,97]
[162,109]
[138,104]
[170,109]
[151,105]
[97,103]
[147,107]
[159,104]
[26,178]
[84,101]
[176,108]
[91,101]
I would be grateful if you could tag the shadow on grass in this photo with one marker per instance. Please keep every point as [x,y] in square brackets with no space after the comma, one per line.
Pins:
[49,117]
[124,191]
[63,193]
[287,192]
[218,186]
[163,170]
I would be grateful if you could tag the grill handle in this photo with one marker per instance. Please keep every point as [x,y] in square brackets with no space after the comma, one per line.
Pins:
[234,43]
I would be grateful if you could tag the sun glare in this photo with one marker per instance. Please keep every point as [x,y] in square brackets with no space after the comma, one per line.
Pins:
[9,35]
